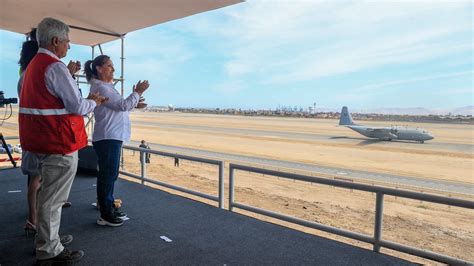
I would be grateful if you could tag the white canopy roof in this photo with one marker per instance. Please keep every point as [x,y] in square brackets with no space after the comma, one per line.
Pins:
[110,19]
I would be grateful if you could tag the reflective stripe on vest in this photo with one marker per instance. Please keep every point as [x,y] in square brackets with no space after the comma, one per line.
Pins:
[34,111]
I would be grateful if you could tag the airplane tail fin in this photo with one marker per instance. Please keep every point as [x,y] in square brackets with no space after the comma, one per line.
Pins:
[346,118]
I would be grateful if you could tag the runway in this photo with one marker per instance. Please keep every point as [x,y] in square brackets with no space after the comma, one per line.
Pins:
[351,139]
[361,141]
[442,186]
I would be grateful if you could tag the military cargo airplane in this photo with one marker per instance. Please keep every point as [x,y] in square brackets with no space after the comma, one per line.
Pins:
[385,133]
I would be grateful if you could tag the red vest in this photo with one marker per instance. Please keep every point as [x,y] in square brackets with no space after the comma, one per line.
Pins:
[45,125]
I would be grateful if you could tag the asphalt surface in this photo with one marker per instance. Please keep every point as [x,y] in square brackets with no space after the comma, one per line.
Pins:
[421,183]
[166,229]
[444,186]
[362,141]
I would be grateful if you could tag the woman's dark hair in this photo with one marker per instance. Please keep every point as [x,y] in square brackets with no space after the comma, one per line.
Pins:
[28,51]
[90,67]
[32,34]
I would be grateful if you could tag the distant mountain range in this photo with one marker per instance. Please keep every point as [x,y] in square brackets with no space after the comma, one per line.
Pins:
[467,110]
[464,111]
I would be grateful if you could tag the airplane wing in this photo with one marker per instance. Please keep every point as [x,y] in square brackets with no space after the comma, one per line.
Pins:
[382,133]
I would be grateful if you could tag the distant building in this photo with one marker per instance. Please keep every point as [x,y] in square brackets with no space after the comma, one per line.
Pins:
[168,108]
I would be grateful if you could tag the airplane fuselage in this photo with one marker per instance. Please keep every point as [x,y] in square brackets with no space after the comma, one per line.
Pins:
[400,133]
[384,133]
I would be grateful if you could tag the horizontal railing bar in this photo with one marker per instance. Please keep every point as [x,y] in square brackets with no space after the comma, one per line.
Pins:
[14,137]
[423,253]
[173,155]
[322,227]
[130,175]
[185,190]
[388,191]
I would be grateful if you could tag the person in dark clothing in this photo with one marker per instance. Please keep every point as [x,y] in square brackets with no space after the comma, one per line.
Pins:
[176,161]
[147,155]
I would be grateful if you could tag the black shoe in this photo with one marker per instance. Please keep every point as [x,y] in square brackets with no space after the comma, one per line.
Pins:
[65,257]
[65,239]
[110,220]
[119,214]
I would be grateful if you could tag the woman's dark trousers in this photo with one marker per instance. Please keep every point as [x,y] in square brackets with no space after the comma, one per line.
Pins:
[108,153]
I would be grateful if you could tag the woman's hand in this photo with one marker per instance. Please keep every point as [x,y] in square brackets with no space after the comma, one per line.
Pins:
[141,87]
[73,67]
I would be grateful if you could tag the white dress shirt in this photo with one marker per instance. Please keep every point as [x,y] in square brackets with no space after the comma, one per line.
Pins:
[60,83]
[112,118]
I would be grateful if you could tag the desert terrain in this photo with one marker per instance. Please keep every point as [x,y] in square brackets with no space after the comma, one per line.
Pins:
[449,157]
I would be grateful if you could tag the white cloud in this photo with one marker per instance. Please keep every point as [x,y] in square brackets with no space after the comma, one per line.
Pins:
[371,88]
[149,54]
[288,41]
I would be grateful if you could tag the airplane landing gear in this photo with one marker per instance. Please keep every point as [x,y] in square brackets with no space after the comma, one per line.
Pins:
[422,141]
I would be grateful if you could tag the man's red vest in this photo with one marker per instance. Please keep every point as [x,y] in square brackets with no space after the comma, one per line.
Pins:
[45,125]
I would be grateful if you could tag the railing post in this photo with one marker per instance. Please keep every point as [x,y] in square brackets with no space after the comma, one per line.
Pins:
[122,160]
[143,166]
[378,221]
[92,124]
[231,187]
[221,185]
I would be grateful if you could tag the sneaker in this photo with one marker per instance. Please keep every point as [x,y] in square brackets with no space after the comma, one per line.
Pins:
[65,239]
[119,214]
[110,220]
[65,257]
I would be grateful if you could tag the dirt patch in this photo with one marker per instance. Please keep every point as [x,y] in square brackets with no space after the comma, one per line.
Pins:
[433,227]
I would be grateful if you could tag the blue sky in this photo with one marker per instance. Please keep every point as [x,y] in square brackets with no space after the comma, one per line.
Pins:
[262,54]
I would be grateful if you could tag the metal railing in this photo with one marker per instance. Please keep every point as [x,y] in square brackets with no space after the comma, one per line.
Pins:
[376,240]
[89,126]
[143,175]
[11,137]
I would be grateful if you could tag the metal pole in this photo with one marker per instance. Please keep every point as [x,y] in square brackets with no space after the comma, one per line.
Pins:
[231,188]
[93,48]
[378,221]
[122,58]
[122,161]
[121,82]
[221,185]
[143,166]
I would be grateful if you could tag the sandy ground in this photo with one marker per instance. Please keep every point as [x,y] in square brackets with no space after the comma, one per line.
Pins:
[434,227]
[411,159]
[429,226]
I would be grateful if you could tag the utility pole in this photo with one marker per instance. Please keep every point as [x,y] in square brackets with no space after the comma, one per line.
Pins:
[314,108]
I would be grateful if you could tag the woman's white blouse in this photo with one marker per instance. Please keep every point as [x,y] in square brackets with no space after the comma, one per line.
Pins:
[112,117]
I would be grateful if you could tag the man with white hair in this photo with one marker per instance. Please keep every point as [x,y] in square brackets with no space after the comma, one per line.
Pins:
[52,128]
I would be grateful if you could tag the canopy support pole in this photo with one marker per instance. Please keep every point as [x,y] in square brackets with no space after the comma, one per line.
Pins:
[122,58]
